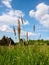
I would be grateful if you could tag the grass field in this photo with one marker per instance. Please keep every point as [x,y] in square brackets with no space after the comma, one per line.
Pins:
[24,55]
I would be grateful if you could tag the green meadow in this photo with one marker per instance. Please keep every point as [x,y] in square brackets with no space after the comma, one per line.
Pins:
[24,55]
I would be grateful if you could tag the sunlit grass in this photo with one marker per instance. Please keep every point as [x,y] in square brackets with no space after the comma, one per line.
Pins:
[24,55]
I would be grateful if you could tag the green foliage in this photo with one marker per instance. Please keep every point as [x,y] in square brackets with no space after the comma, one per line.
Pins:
[24,55]
[31,42]
[39,42]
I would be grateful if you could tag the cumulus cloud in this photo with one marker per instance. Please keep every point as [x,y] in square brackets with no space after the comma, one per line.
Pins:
[5,28]
[26,22]
[41,14]
[17,13]
[11,18]
[7,3]
[29,33]
[32,13]
[7,19]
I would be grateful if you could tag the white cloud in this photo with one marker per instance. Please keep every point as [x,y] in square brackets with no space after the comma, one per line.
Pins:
[7,19]
[41,14]
[45,20]
[31,34]
[26,22]
[23,33]
[17,13]
[32,13]
[7,3]
[11,17]
[5,28]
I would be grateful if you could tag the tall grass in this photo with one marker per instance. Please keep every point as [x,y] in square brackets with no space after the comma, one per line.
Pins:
[24,55]
[27,36]
[19,30]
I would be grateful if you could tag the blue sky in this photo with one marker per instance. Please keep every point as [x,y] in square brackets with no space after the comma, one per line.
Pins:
[33,12]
